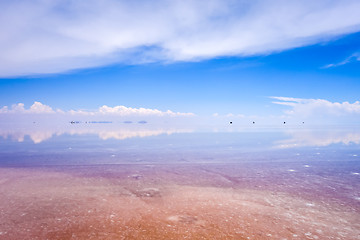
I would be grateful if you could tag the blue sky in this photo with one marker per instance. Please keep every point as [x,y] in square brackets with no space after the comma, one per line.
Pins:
[206,65]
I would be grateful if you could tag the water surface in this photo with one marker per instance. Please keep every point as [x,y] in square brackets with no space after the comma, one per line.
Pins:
[147,181]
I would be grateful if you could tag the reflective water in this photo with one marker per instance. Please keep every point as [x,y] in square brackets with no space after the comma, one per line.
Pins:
[149,181]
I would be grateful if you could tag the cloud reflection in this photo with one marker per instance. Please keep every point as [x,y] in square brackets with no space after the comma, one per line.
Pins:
[291,137]
[39,134]
[319,138]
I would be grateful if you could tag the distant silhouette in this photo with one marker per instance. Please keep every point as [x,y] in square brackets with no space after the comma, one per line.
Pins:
[253,122]
[284,122]
[303,122]
[230,122]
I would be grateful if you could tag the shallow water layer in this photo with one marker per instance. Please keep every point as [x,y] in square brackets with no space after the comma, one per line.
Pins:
[180,184]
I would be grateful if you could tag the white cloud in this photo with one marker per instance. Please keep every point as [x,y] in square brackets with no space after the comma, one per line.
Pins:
[39,108]
[18,107]
[39,36]
[229,115]
[128,111]
[310,107]
[4,109]
[124,111]
[352,58]
[36,108]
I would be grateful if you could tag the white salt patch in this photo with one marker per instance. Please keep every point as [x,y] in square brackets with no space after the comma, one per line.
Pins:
[355,173]
[291,170]
[69,148]
[308,234]
[310,204]
[355,155]
[173,218]
[357,198]
[113,155]
[306,166]
[317,153]
[298,154]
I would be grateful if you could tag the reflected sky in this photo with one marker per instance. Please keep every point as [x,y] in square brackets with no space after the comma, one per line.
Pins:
[123,180]
[99,143]
[42,132]
[320,137]
[291,137]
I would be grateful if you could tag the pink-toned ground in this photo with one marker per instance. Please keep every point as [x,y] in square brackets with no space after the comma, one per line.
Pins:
[161,202]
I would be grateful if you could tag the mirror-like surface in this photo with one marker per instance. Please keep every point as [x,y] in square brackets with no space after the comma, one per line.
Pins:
[145,181]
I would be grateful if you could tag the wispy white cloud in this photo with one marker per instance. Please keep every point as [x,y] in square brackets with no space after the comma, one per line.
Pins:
[39,108]
[310,107]
[38,36]
[353,57]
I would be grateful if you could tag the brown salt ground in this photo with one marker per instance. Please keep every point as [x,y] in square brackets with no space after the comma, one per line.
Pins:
[130,202]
